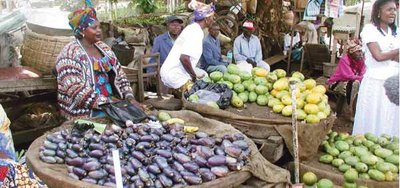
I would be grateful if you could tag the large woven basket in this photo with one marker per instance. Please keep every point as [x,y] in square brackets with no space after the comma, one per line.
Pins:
[40,51]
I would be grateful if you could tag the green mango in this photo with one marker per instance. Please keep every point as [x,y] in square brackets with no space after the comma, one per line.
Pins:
[392,146]
[383,152]
[352,161]
[342,145]
[395,139]
[374,147]
[371,137]
[337,162]
[325,183]
[358,141]
[333,151]
[396,151]
[393,168]
[345,154]
[344,167]
[383,167]
[387,136]
[368,143]
[349,185]
[332,135]
[359,151]
[383,141]
[364,176]
[369,159]
[376,175]
[327,159]
[351,175]
[394,159]
[341,136]
[361,167]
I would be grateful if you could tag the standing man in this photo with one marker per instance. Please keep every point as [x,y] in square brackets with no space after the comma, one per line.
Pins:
[211,60]
[163,43]
[179,70]
[247,49]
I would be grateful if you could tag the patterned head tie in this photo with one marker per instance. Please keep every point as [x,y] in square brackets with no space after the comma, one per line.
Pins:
[201,10]
[82,18]
[353,46]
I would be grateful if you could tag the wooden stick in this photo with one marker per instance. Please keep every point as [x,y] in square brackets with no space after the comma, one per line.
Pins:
[294,133]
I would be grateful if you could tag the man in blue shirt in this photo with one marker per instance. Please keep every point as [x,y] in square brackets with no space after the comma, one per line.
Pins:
[211,59]
[247,49]
[163,43]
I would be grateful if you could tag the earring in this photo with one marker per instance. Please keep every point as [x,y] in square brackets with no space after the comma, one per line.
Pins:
[379,16]
[83,35]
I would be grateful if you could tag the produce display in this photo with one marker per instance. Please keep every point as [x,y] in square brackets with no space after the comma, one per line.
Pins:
[311,180]
[272,90]
[362,156]
[152,154]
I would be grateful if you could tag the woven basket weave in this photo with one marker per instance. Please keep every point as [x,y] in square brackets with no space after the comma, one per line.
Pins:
[40,51]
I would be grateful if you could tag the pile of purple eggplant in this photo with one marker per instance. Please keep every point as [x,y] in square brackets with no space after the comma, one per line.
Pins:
[150,157]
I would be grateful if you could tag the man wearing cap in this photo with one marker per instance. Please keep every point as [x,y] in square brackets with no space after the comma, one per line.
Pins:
[247,49]
[163,43]
[179,70]
[211,60]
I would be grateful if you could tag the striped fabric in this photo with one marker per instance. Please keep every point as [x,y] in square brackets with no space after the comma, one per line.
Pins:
[77,96]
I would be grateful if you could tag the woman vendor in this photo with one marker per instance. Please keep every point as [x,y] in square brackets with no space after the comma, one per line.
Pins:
[88,72]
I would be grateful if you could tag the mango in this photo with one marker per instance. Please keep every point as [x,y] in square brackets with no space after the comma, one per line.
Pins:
[383,141]
[345,154]
[311,118]
[226,76]
[311,108]
[344,167]
[349,185]
[280,73]
[383,167]
[163,116]
[239,88]
[274,101]
[193,98]
[333,151]
[281,84]
[364,176]
[216,76]
[301,114]
[251,87]
[376,175]
[369,159]
[342,145]
[337,162]
[394,159]
[313,98]
[278,108]
[325,183]
[327,159]
[262,100]
[286,100]
[282,93]
[244,96]
[361,167]
[237,102]
[392,146]
[229,84]
[352,161]
[245,76]
[233,69]
[310,83]
[261,90]
[261,72]
[235,79]
[351,175]
[271,77]
[298,75]
[309,178]
[319,89]
[252,96]
[383,152]
[371,137]
[260,81]
[287,111]
[389,176]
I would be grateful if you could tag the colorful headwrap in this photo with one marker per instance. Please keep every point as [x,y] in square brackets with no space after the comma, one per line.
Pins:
[353,46]
[82,18]
[201,10]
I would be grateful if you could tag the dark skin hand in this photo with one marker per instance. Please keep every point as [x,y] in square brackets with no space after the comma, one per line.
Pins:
[185,60]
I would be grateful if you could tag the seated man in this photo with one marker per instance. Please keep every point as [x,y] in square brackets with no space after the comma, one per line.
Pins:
[211,59]
[348,73]
[297,49]
[180,68]
[247,49]
[163,43]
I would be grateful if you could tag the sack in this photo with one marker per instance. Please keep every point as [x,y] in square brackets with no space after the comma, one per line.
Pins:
[121,111]
[226,94]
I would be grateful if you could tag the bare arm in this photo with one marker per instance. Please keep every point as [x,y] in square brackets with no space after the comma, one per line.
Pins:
[185,60]
[382,56]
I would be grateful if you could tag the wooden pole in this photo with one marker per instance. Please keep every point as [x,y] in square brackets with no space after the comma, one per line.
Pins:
[294,134]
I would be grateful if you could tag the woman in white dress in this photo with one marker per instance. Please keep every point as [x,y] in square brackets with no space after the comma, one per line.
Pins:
[381,41]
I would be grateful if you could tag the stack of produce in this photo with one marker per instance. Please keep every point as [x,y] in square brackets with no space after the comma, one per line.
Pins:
[363,156]
[311,180]
[272,90]
[164,156]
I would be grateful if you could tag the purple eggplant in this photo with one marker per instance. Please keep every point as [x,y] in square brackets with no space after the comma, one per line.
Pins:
[205,152]
[90,166]
[228,137]
[48,159]
[158,132]
[193,180]
[201,135]
[71,153]
[182,158]
[235,166]
[142,146]
[96,153]
[163,144]
[207,176]
[95,139]
[136,164]
[134,136]
[129,169]
[238,136]
[168,171]
[181,149]
[146,138]
[101,181]
[165,181]
[199,160]
[219,151]
[62,146]
[95,146]
[110,184]
[186,173]
[142,132]
[177,178]
[230,160]
[184,141]
[73,176]
[216,160]
[75,161]
[155,137]
[77,147]
[109,168]
[167,137]
[144,176]
[191,166]
[61,154]
[112,139]
[158,184]
[220,171]
[153,169]
[49,152]
[59,160]
[164,153]
[130,142]
[241,144]
[233,151]
[207,141]
[49,145]
[97,174]
[138,155]
[226,143]
[178,166]
[89,180]
[79,172]
[161,162]
[139,183]
[108,132]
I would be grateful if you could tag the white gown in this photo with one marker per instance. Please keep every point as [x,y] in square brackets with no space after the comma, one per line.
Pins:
[374,112]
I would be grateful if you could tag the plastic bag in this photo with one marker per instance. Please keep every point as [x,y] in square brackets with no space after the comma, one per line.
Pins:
[207,96]
[221,89]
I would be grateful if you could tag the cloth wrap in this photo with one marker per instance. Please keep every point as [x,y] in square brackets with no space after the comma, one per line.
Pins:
[81,19]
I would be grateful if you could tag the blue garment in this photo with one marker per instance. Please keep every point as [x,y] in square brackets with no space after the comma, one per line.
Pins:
[211,53]
[243,48]
[162,44]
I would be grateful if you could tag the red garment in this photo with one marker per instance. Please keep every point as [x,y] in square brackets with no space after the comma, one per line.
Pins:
[348,69]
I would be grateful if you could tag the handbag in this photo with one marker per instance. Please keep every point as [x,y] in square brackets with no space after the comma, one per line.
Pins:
[121,111]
